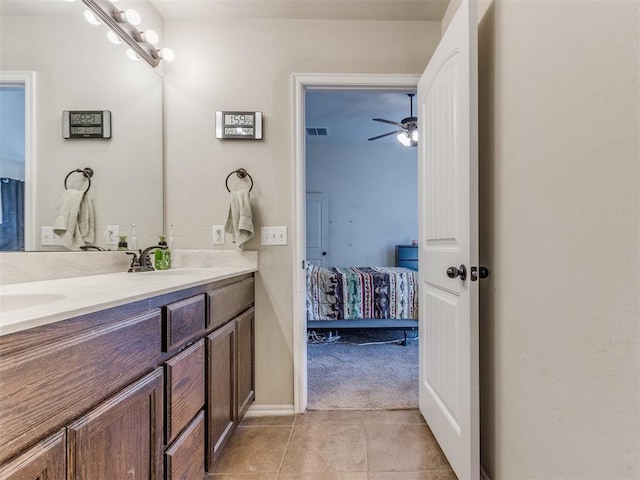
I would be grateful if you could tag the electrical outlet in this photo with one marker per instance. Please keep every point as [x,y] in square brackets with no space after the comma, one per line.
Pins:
[111,234]
[217,235]
[47,237]
[273,235]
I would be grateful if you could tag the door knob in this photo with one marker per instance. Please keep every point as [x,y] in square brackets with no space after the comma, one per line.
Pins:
[324,253]
[461,271]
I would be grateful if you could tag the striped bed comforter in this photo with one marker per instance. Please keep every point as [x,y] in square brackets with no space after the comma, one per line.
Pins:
[341,293]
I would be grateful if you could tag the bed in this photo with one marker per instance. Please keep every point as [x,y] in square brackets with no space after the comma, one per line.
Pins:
[362,298]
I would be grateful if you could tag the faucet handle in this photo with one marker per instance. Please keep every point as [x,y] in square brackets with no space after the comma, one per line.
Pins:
[135,262]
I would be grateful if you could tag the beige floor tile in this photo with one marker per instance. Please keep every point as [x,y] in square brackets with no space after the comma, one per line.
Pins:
[271,421]
[399,417]
[254,450]
[427,475]
[324,476]
[325,448]
[330,417]
[240,476]
[403,448]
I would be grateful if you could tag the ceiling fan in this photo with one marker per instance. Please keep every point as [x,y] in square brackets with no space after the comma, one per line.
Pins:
[408,135]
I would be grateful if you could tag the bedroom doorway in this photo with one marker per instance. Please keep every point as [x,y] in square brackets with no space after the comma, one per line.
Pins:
[394,85]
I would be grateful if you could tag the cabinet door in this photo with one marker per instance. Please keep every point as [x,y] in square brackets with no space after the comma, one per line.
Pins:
[44,461]
[122,437]
[246,361]
[221,392]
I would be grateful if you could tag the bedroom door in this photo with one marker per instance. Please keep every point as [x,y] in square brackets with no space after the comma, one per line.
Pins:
[448,212]
[317,228]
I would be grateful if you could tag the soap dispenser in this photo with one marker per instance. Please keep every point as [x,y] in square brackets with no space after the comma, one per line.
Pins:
[162,258]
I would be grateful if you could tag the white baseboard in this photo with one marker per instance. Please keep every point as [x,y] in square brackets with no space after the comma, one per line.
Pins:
[270,410]
[483,474]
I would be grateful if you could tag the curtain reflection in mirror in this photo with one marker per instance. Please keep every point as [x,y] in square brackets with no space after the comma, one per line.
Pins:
[12,218]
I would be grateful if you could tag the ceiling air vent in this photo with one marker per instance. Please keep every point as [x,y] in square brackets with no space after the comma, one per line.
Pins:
[317,131]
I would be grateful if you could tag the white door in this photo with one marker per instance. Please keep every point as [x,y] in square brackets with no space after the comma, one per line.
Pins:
[317,228]
[448,211]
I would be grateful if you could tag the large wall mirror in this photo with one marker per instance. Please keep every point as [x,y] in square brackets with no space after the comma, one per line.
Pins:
[71,65]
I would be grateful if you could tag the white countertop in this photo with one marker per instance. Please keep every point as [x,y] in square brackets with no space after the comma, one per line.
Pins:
[32,304]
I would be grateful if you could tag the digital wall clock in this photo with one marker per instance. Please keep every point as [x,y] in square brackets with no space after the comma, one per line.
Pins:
[239,125]
[86,124]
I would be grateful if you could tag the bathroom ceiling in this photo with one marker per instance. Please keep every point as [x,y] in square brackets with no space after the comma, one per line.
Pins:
[417,10]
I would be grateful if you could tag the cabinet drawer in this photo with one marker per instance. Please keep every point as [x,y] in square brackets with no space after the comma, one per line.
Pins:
[184,459]
[183,321]
[227,302]
[184,376]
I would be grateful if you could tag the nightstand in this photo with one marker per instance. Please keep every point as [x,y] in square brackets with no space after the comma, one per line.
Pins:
[407,256]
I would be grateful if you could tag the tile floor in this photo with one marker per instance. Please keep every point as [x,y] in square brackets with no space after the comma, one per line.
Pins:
[334,445]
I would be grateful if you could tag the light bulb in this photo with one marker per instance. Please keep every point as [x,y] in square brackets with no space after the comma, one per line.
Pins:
[414,135]
[127,16]
[167,54]
[132,55]
[133,17]
[113,38]
[151,36]
[404,139]
[91,18]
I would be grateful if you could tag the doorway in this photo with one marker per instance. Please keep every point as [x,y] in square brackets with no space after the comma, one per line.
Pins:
[303,82]
[359,172]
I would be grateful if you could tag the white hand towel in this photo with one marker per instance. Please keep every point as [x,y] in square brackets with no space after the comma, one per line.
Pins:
[75,219]
[240,219]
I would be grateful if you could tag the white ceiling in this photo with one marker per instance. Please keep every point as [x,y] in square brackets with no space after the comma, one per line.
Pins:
[417,10]
[348,114]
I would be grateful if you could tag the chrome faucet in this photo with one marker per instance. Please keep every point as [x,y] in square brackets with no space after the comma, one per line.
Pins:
[143,263]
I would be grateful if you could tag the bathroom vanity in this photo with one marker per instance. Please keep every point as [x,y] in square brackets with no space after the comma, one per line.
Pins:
[148,385]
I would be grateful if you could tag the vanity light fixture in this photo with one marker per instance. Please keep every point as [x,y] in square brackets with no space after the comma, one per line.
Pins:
[147,36]
[128,16]
[123,24]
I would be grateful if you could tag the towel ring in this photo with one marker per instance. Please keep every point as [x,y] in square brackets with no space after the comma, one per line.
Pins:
[241,173]
[86,172]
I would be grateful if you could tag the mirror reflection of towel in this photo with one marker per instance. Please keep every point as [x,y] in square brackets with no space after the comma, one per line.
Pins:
[240,219]
[75,219]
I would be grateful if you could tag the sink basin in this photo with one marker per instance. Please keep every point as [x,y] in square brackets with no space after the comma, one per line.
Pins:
[14,301]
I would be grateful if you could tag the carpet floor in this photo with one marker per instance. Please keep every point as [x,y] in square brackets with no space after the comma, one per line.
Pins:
[350,376]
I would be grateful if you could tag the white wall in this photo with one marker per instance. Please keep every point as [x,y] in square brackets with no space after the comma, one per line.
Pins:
[373,199]
[213,71]
[560,229]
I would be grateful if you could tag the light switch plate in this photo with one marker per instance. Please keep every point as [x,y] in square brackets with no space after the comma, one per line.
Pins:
[273,236]
[47,237]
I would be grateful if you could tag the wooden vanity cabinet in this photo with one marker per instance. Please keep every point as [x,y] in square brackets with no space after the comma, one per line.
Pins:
[230,363]
[46,460]
[122,437]
[245,381]
[150,389]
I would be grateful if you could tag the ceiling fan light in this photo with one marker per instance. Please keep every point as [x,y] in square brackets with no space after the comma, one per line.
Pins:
[414,135]
[404,139]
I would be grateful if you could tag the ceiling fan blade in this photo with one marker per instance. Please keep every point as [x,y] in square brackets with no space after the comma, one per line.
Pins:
[389,122]
[385,135]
